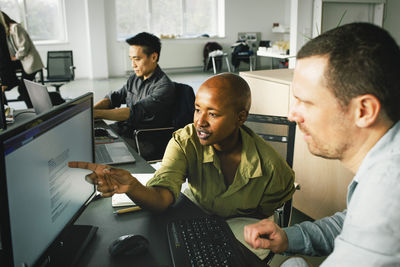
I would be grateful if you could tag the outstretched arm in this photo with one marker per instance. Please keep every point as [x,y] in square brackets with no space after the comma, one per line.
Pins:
[105,103]
[102,111]
[110,180]
[116,114]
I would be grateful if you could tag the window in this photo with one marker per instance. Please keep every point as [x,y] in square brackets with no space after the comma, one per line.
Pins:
[43,19]
[180,18]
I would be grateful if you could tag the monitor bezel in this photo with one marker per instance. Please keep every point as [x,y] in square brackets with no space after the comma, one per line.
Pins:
[6,254]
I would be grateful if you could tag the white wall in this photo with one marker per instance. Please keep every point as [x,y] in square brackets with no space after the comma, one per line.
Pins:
[301,23]
[96,46]
[391,19]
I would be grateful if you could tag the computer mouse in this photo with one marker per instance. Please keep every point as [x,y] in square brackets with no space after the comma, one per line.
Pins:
[100,132]
[128,245]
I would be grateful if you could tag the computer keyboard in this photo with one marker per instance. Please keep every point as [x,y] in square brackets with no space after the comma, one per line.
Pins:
[203,242]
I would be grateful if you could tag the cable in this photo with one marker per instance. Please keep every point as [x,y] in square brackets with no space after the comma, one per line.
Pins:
[22,112]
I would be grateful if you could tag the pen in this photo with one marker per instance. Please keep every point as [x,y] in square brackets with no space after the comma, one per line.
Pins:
[131,209]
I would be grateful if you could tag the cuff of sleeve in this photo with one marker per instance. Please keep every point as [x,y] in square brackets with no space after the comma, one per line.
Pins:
[158,181]
[295,239]
[18,55]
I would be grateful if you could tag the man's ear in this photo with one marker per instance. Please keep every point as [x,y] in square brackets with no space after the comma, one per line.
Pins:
[367,109]
[154,57]
[243,116]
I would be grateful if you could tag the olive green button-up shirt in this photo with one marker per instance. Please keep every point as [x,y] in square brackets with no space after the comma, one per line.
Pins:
[263,180]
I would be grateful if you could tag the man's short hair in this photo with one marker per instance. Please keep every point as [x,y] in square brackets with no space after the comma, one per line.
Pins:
[362,59]
[150,43]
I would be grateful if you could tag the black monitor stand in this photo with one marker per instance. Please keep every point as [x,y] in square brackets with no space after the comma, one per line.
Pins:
[68,247]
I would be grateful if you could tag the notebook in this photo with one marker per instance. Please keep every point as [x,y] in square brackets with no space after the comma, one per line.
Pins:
[122,200]
[113,153]
[39,96]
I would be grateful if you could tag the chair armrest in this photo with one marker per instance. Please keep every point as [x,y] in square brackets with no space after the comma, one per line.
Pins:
[138,132]
[296,186]
[72,69]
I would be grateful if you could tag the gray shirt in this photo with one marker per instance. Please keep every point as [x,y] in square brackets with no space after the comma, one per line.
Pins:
[368,232]
[150,101]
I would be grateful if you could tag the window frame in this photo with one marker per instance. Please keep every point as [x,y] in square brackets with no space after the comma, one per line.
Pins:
[219,20]
[22,10]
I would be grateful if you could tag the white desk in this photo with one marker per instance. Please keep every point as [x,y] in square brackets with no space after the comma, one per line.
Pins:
[272,55]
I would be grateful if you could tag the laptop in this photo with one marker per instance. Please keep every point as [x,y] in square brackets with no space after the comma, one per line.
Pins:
[39,96]
[110,149]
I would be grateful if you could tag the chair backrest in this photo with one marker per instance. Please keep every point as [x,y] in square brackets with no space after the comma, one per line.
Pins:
[184,108]
[60,65]
[280,133]
[209,47]
[277,130]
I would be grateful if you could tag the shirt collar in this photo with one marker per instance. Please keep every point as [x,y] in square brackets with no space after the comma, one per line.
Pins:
[382,149]
[250,164]
[156,73]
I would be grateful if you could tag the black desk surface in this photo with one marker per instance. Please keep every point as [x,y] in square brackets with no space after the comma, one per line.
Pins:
[153,226]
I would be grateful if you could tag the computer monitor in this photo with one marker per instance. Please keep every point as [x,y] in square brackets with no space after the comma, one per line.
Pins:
[3,123]
[40,196]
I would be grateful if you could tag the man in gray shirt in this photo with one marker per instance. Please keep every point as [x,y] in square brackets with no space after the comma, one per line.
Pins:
[148,94]
[346,87]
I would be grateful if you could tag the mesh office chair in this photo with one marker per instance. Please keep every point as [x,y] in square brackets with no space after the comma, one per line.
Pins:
[60,68]
[182,115]
[279,132]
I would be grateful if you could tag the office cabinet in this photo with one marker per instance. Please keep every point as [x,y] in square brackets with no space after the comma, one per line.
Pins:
[323,182]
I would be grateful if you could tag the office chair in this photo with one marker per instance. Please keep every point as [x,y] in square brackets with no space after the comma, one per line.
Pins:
[182,115]
[280,133]
[213,56]
[218,55]
[241,52]
[60,68]
[208,48]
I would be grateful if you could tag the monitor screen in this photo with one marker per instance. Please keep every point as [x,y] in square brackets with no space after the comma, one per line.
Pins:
[42,195]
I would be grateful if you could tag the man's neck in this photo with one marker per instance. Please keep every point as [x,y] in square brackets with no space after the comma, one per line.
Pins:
[365,141]
[145,77]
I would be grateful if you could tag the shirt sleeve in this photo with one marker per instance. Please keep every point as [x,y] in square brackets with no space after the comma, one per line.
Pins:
[173,169]
[159,100]
[315,238]
[21,41]
[118,97]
